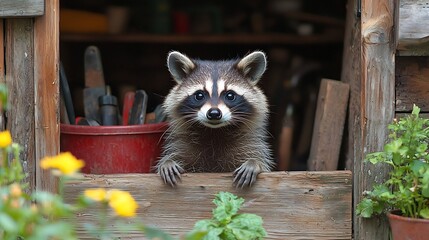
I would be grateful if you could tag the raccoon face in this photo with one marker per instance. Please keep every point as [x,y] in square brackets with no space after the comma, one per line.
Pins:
[216,93]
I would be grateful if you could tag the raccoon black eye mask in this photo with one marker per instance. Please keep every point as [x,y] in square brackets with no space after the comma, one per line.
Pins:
[218,118]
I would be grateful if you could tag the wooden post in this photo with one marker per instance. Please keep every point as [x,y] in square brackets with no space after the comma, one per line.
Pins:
[351,74]
[2,71]
[20,82]
[377,98]
[46,97]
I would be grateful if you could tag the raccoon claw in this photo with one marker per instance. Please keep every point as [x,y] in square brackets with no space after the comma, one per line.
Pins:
[171,173]
[245,176]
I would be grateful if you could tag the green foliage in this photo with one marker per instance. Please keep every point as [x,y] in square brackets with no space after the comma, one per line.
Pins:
[227,224]
[407,188]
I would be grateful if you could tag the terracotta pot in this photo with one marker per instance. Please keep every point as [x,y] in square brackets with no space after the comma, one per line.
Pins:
[408,228]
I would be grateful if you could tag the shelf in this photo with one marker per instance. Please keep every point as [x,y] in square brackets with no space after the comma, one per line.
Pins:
[206,39]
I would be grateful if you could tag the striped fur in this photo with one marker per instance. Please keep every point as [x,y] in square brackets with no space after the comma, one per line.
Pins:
[218,119]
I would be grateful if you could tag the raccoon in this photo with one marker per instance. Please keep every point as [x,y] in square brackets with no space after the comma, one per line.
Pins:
[218,119]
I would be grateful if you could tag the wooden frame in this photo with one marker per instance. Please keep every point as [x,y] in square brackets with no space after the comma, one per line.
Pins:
[293,205]
[413,33]
[32,57]
[22,8]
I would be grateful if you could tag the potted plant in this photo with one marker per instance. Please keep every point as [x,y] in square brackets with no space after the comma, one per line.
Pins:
[404,195]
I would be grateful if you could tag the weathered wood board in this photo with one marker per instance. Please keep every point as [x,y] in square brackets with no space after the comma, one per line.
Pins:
[2,70]
[328,125]
[293,205]
[19,55]
[21,8]
[46,90]
[413,30]
[412,83]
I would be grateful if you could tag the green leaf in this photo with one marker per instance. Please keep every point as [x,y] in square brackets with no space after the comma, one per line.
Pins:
[247,226]
[376,157]
[422,148]
[60,230]
[425,191]
[154,233]
[424,213]
[195,235]
[7,223]
[416,110]
[393,146]
[227,205]
[416,166]
[365,208]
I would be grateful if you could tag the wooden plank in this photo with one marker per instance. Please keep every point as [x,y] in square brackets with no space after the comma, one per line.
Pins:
[351,74]
[328,125]
[2,71]
[377,105]
[21,8]
[413,30]
[207,39]
[20,83]
[293,205]
[46,97]
[412,83]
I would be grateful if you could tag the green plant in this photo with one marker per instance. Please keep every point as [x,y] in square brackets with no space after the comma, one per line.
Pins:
[407,187]
[226,223]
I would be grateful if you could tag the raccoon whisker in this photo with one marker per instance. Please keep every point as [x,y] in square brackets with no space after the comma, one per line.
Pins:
[248,123]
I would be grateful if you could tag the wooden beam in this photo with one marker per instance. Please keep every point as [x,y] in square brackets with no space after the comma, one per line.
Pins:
[20,83]
[376,106]
[21,8]
[46,97]
[328,125]
[413,30]
[293,205]
[351,74]
[2,70]
[412,85]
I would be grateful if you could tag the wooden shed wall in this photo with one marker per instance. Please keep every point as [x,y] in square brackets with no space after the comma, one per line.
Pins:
[378,89]
[30,47]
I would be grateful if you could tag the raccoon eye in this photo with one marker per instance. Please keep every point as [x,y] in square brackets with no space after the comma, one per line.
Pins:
[230,95]
[199,95]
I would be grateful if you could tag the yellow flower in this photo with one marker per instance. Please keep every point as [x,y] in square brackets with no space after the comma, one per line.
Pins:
[15,190]
[98,194]
[66,163]
[5,139]
[122,203]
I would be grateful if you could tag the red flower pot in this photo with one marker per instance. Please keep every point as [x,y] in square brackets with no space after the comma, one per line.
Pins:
[114,149]
[408,228]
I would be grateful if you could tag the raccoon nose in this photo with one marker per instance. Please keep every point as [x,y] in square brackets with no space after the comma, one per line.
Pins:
[214,114]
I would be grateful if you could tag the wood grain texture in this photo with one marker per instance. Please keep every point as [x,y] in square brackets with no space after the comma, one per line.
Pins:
[46,97]
[377,105]
[293,205]
[413,30]
[351,74]
[328,125]
[20,83]
[2,71]
[412,83]
[21,8]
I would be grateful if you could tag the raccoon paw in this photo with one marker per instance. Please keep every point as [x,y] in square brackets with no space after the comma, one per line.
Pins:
[170,172]
[246,175]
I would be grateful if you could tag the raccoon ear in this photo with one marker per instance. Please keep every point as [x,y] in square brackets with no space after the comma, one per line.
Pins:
[179,65]
[253,66]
